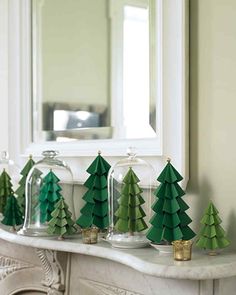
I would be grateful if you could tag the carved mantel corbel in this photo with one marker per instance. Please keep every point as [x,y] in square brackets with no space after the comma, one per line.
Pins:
[53,272]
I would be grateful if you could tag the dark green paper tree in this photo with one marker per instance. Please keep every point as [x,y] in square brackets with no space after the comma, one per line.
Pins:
[170,222]
[212,235]
[95,211]
[12,213]
[5,189]
[61,222]
[49,196]
[20,192]
[130,215]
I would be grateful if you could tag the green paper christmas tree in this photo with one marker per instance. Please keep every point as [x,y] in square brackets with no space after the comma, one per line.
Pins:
[95,211]
[61,223]
[49,196]
[170,222]
[20,192]
[130,215]
[12,213]
[212,235]
[5,189]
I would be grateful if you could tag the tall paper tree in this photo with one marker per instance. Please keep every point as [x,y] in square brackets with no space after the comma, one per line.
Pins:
[20,192]
[95,211]
[12,213]
[170,222]
[212,235]
[130,215]
[49,196]
[61,222]
[5,189]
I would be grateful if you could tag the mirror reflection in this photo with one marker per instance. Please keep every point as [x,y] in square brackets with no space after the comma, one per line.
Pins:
[92,69]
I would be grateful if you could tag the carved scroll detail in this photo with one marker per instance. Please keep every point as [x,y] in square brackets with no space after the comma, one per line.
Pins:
[53,273]
[9,265]
[110,290]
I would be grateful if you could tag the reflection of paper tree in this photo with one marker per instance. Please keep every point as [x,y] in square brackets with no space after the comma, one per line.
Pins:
[95,211]
[212,235]
[116,194]
[61,222]
[170,222]
[49,195]
[130,213]
[5,189]
[12,213]
[36,182]
[20,192]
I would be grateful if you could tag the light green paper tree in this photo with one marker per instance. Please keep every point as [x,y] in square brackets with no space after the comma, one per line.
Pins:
[170,222]
[20,192]
[61,222]
[95,211]
[212,236]
[130,215]
[12,213]
[5,189]
[49,196]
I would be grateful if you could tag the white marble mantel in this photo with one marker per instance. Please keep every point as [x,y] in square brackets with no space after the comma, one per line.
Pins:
[146,260]
[114,268]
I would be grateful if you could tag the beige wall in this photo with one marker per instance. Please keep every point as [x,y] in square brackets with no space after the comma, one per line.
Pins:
[213,110]
[75,51]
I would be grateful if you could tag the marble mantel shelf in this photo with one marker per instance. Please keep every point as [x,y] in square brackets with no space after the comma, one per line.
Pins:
[146,260]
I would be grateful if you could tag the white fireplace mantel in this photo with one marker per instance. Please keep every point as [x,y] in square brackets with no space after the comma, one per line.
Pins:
[101,269]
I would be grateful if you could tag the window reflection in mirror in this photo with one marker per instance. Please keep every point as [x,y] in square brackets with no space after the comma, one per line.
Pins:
[81,76]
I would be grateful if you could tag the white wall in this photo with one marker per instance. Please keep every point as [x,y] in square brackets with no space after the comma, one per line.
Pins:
[213,110]
[3,76]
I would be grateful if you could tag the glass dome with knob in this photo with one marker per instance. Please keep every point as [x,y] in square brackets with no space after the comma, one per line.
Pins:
[48,181]
[130,192]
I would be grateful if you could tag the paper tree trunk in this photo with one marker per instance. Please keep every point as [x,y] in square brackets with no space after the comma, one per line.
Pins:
[212,235]
[95,210]
[49,196]
[130,215]
[12,213]
[61,222]
[5,189]
[170,222]
[20,192]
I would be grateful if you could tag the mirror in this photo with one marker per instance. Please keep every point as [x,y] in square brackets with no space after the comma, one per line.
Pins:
[93,69]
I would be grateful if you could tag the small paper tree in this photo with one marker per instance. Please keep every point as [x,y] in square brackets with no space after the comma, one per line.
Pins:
[61,223]
[49,196]
[170,222]
[212,235]
[20,192]
[130,215]
[95,211]
[5,189]
[12,213]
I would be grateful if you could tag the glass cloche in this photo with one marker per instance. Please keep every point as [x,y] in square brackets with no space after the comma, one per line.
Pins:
[130,198]
[10,167]
[47,181]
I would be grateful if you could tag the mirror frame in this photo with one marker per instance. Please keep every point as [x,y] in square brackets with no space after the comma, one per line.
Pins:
[171,70]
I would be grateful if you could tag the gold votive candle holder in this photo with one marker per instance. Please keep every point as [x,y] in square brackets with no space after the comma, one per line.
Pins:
[90,235]
[182,250]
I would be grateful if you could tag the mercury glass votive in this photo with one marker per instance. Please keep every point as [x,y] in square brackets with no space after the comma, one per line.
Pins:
[90,235]
[182,250]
